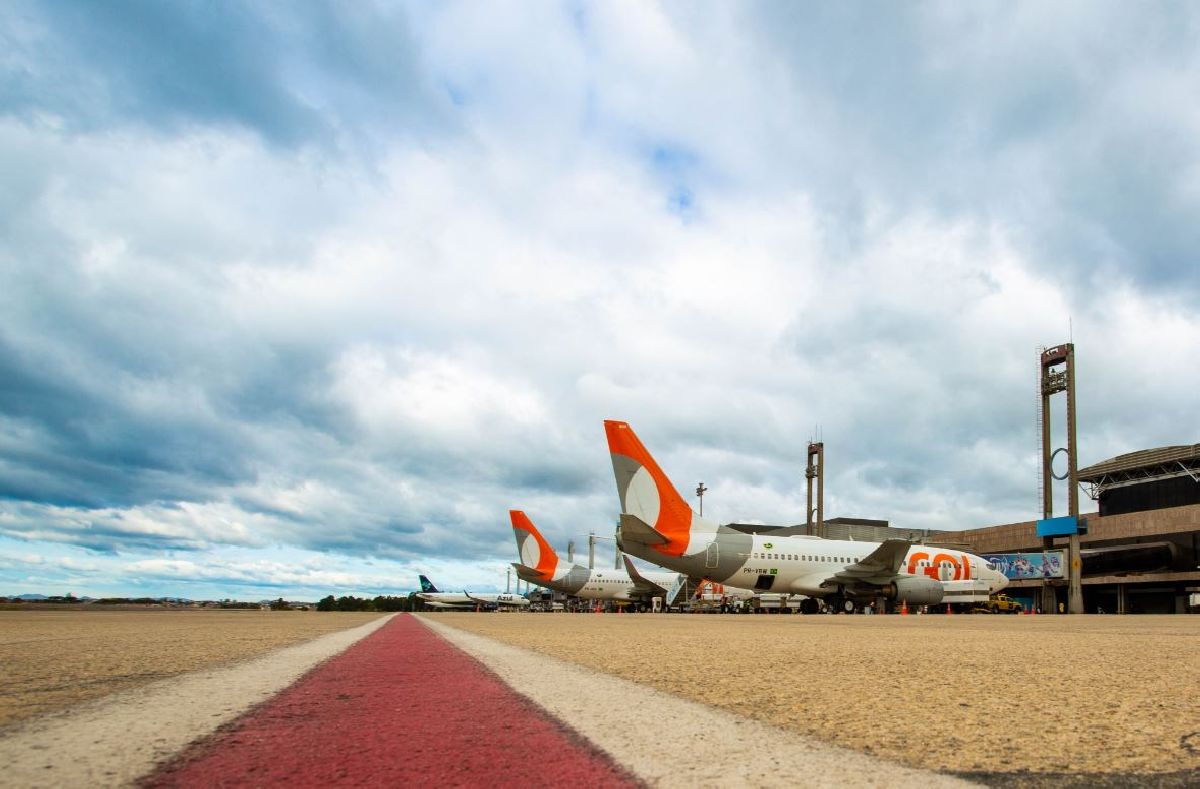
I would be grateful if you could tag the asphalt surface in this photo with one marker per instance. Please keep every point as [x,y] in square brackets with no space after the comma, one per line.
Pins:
[402,707]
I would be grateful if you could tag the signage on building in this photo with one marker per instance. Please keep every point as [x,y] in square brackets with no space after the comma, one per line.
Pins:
[1023,566]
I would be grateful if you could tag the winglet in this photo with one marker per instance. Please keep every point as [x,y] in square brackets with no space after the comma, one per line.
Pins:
[645,491]
[532,547]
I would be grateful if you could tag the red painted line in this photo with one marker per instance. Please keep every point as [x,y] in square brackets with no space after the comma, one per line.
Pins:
[402,707]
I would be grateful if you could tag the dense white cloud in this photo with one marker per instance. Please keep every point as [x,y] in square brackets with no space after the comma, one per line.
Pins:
[321,331]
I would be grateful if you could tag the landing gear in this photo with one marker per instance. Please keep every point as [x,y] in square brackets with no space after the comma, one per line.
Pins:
[840,604]
[810,605]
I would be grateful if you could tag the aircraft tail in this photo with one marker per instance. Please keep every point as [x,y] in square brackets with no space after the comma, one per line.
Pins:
[666,520]
[532,547]
[427,585]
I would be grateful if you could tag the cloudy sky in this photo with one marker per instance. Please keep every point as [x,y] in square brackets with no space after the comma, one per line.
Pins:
[302,298]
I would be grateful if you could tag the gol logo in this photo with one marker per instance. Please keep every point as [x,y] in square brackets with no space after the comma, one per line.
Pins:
[962,567]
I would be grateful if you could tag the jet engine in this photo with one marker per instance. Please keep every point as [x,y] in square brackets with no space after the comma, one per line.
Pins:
[917,590]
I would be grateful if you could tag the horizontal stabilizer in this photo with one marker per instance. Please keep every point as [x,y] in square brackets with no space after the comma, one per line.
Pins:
[635,529]
[527,573]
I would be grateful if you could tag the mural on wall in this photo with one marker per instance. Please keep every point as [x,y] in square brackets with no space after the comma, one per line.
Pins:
[1020,566]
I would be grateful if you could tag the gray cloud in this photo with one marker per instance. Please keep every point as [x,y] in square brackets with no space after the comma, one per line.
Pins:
[221,331]
[295,74]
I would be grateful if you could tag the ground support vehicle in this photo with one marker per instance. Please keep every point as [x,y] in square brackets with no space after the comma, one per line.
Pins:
[1000,604]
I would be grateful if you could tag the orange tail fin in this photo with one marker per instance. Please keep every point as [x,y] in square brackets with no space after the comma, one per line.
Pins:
[535,552]
[645,491]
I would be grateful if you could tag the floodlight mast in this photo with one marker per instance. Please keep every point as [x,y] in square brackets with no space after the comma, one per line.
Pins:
[815,470]
[592,537]
[1056,373]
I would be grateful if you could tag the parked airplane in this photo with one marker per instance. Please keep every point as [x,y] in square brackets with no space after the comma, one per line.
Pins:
[658,525]
[540,565]
[506,599]
[438,599]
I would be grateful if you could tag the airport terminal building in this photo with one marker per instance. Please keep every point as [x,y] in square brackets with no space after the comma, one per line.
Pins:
[1141,552]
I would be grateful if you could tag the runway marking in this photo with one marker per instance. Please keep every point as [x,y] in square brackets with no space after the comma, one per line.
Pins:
[668,741]
[116,740]
[402,707]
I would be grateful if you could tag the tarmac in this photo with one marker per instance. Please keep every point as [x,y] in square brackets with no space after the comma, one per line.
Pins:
[407,700]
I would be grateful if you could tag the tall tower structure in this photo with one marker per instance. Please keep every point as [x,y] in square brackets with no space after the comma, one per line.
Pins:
[1056,368]
[815,470]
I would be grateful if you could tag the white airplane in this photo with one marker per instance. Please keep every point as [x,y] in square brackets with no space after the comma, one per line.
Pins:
[540,565]
[438,599]
[658,525]
[498,599]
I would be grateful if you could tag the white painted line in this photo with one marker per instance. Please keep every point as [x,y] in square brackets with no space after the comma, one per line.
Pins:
[116,740]
[668,741]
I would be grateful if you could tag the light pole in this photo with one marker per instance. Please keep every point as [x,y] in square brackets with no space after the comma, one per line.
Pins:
[700,491]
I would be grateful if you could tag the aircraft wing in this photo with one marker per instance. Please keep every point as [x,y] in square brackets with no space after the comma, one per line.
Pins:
[439,604]
[640,582]
[878,567]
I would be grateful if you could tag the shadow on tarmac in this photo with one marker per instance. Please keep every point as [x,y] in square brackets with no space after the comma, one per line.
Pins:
[1181,779]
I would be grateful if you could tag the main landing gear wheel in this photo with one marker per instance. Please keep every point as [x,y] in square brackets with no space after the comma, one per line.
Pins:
[849,606]
[810,605]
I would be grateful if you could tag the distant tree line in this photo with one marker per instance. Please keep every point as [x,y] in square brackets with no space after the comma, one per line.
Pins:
[67,598]
[352,603]
[386,603]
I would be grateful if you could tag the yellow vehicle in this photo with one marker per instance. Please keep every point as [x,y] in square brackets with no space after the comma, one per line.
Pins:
[1003,604]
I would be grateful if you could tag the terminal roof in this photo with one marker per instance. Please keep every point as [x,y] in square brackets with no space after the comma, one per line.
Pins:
[1145,465]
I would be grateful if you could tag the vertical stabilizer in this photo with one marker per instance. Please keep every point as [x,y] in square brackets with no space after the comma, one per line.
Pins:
[645,491]
[427,585]
[535,552]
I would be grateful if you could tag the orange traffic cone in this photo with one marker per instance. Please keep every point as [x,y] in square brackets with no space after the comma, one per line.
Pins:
[903,608]
[948,611]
